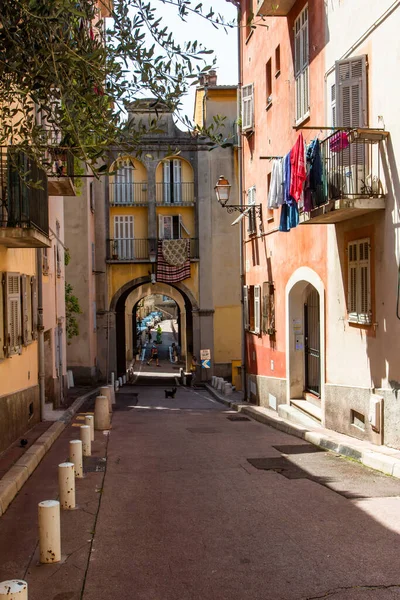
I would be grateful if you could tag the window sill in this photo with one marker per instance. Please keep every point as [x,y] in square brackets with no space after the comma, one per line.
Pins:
[301,121]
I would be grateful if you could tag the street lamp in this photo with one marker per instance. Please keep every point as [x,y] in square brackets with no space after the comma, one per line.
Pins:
[223,191]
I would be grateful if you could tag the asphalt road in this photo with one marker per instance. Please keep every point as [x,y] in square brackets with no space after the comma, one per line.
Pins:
[193,505]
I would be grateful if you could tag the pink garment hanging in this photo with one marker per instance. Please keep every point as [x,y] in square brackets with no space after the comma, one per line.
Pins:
[298,168]
[339,141]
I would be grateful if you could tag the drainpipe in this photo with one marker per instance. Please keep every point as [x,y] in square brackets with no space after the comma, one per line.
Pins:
[42,394]
[240,167]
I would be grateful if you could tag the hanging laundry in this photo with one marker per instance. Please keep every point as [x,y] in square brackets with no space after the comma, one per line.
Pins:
[313,192]
[286,180]
[297,168]
[275,194]
[289,217]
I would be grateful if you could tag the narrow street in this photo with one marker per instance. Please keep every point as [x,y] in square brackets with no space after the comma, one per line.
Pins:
[179,512]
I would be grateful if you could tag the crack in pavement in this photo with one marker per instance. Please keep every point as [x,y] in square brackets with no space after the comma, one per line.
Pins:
[353,587]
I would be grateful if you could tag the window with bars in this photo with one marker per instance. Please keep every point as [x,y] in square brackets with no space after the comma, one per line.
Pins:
[359,282]
[301,64]
[248,107]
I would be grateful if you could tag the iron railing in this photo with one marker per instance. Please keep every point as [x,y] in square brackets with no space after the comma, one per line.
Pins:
[180,193]
[23,192]
[138,250]
[58,159]
[128,194]
[350,169]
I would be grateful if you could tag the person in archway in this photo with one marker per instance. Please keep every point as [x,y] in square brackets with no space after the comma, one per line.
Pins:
[154,354]
[193,368]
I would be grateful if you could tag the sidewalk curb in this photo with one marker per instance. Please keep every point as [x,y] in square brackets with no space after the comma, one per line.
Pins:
[369,458]
[12,482]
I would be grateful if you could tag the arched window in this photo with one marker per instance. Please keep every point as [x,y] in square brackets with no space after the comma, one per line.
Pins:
[122,188]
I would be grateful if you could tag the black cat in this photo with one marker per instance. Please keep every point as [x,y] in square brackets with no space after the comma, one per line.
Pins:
[170,393]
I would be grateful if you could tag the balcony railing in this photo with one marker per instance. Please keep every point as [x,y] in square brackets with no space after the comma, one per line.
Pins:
[138,250]
[128,194]
[24,208]
[180,194]
[352,180]
[59,161]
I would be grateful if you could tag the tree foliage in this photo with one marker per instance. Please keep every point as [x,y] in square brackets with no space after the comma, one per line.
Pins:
[72,308]
[66,72]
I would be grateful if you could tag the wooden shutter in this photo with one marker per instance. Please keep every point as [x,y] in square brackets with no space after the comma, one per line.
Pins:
[301,51]
[167,228]
[2,323]
[268,308]
[182,226]
[26,305]
[177,179]
[246,306]
[248,107]
[167,180]
[34,308]
[257,308]
[359,282]
[351,92]
[13,313]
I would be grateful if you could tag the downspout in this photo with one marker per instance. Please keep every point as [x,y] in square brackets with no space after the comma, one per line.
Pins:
[241,228]
[42,395]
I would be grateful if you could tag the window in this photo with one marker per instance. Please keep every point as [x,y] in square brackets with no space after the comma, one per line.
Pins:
[171,227]
[248,107]
[26,305]
[13,325]
[350,94]
[91,196]
[301,65]
[45,262]
[252,304]
[268,81]
[172,180]
[268,308]
[123,247]
[122,188]
[277,61]
[359,281]
[251,200]
[34,304]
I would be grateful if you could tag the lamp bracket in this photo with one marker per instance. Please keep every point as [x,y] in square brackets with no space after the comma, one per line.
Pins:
[256,209]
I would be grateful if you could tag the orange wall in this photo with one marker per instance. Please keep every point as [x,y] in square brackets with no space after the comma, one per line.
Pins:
[277,255]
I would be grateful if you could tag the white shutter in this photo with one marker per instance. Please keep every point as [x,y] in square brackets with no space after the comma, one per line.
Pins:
[168,230]
[257,308]
[351,92]
[34,308]
[13,313]
[2,324]
[123,183]
[248,107]
[301,63]
[182,226]
[124,236]
[359,282]
[26,297]
[167,181]
[251,200]
[246,307]
[177,179]
[160,227]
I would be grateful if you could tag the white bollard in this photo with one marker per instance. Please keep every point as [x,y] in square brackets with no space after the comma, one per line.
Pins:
[112,378]
[101,414]
[13,589]
[89,420]
[49,531]
[120,381]
[66,485]
[124,379]
[227,389]
[219,383]
[106,391]
[112,394]
[86,440]
[116,384]
[75,456]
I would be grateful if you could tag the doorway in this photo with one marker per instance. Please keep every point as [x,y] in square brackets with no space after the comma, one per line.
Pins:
[312,336]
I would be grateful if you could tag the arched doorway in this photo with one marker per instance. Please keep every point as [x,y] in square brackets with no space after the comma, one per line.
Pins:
[305,342]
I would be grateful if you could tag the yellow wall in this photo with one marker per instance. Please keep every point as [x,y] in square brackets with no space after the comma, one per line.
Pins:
[227,338]
[19,371]
[187,171]
[198,108]
[188,217]
[139,222]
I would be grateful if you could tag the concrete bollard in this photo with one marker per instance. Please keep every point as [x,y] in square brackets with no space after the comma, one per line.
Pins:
[213,380]
[120,381]
[89,420]
[124,379]
[116,386]
[112,378]
[106,391]
[75,456]
[227,389]
[86,440]
[66,485]
[101,414]
[13,589]
[112,394]
[220,383]
[49,531]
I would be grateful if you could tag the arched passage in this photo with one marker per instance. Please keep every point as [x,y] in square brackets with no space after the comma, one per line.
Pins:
[137,289]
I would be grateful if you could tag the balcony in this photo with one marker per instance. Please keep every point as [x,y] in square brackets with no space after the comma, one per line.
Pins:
[24,209]
[353,183]
[128,194]
[175,194]
[138,250]
[60,171]
[274,8]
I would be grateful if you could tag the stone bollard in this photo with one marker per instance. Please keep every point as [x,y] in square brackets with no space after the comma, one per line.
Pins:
[116,384]
[112,378]
[49,532]
[89,420]
[227,389]
[120,381]
[13,589]
[112,394]
[66,485]
[220,383]
[75,456]
[86,440]
[124,379]
[101,414]
[105,391]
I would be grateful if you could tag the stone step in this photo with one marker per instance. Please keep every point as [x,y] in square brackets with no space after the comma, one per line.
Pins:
[292,414]
[312,398]
[311,410]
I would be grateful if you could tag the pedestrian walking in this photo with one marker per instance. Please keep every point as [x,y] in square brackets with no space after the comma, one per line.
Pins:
[193,367]
[154,354]
[174,353]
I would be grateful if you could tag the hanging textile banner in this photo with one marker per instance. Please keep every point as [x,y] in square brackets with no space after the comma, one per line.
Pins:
[179,269]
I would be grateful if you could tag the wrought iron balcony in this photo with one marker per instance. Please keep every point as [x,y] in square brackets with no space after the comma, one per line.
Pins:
[60,168]
[178,194]
[24,207]
[128,194]
[353,183]
[134,250]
